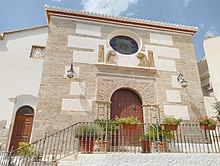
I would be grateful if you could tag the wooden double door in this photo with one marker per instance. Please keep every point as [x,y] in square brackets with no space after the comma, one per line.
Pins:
[126,103]
[22,126]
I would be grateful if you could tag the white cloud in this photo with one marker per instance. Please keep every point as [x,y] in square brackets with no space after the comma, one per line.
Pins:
[211,32]
[129,14]
[201,25]
[186,2]
[56,0]
[111,7]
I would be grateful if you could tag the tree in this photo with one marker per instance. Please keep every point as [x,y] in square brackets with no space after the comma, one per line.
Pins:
[216,106]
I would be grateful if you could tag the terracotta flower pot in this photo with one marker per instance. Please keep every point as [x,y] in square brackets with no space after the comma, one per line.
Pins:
[162,145]
[102,145]
[129,126]
[206,127]
[169,127]
[86,145]
[146,146]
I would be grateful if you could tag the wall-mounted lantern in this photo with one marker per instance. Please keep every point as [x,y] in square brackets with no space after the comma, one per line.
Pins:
[182,81]
[70,72]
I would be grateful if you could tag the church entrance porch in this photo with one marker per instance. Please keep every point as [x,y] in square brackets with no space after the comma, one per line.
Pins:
[126,103]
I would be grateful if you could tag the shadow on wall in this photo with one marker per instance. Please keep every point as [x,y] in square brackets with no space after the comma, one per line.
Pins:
[85,104]
[196,111]
[3,45]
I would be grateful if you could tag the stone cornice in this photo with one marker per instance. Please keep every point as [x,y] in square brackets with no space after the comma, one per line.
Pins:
[119,20]
[150,70]
[20,30]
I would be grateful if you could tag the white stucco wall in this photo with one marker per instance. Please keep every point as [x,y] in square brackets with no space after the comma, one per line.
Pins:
[20,74]
[162,159]
[212,53]
[208,101]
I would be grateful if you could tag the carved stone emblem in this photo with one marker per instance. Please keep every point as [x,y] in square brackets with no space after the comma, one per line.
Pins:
[146,61]
[101,53]
[143,60]
[151,58]
[37,52]
[111,57]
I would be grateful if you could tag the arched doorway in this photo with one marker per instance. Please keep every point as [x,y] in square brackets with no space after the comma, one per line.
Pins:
[126,103]
[22,126]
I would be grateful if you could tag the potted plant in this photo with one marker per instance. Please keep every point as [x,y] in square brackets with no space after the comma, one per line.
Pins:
[146,142]
[207,123]
[109,128]
[171,123]
[128,123]
[87,133]
[157,137]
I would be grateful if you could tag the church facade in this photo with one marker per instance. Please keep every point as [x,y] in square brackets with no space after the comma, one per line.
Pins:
[99,66]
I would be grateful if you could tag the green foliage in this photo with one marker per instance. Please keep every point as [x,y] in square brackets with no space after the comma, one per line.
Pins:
[88,130]
[128,120]
[172,121]
[208,121]
[216,106]
[146,137]
[25,150]
[155,132]
[111,126]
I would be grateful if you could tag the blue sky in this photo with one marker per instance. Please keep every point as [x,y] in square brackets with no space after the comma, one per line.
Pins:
[205,14]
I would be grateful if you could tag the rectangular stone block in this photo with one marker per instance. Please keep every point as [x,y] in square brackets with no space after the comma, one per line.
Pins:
[88,30]
[85,57]
[161,39]
[165,65]
[175,84]
[78,88]
[76,105]
[162,51]
[173,96]
[85,42]
[180,112]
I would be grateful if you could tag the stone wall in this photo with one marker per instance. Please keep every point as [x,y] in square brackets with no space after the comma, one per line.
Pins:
[63,101]
[172,159]
[3,134]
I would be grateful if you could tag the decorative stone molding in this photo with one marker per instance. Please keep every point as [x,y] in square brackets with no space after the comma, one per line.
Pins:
[101,53]
[107,85]
[151,58]
[37,52]
[151,113]
[51,9]
[111,57]
[146,61]
[103,109]
[143,60]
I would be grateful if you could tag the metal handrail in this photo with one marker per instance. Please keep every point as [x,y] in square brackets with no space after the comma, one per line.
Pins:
[111,137]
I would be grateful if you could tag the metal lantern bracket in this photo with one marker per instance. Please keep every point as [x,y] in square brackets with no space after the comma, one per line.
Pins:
[70,72]
[181,80]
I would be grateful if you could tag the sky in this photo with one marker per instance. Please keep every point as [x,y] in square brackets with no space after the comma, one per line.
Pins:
[204,14]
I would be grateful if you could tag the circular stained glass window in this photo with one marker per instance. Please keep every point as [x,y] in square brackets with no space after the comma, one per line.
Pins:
[124,45]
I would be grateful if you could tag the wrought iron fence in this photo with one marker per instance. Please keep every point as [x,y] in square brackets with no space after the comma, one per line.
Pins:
[110,137]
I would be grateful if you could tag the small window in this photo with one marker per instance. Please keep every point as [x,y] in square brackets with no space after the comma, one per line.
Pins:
[25,110]
[124,45]
[37,52]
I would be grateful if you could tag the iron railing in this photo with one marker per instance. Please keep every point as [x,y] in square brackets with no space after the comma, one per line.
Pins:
[112,137]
